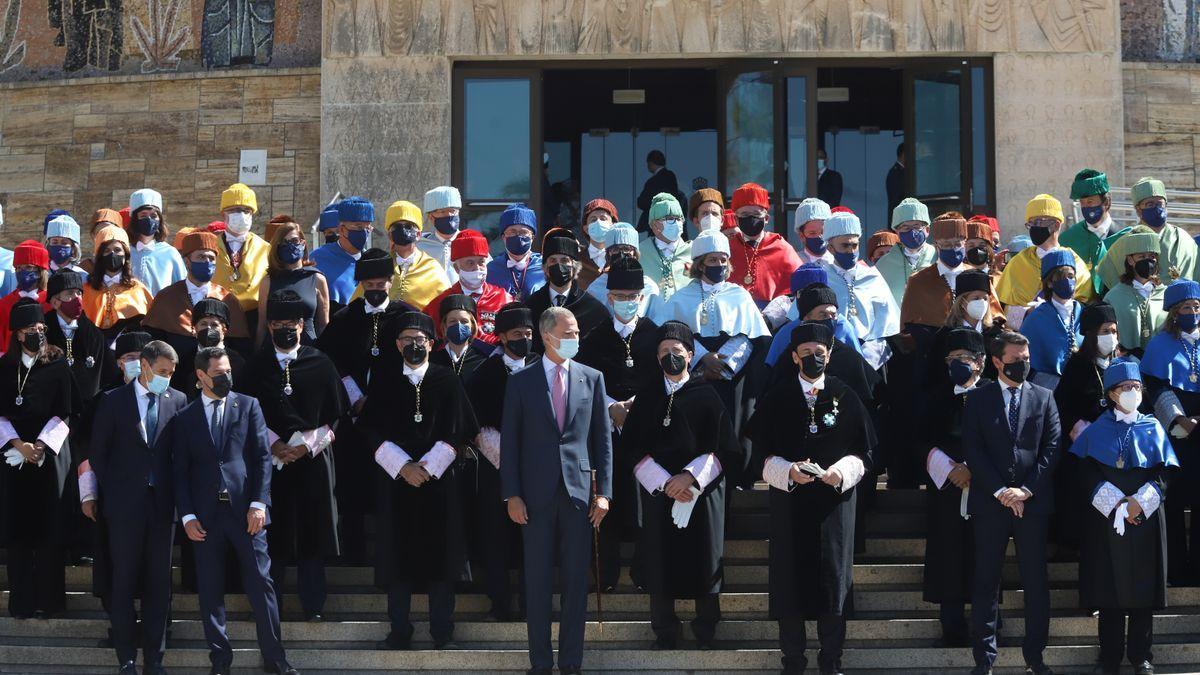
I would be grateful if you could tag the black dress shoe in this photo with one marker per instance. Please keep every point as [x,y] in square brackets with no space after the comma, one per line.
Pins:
[981,670]
[663,643]
[1040,669]
[282,668]
[41,615]
[394,642]
[569,671]
[155,669]
[128,668]
[1106,669]
[219,670]
[315,617]
[1144,668]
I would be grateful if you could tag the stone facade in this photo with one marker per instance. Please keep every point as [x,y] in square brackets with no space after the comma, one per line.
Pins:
[1162,122]
[386,70]
[87,144]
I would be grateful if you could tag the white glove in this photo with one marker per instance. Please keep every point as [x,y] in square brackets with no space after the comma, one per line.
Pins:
[681,512]
[277,463]
[1178,431]
[1119,518]
[14,457]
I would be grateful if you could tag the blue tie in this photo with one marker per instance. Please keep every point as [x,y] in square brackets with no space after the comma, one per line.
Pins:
[151,427]
[1014,408]
[215,425]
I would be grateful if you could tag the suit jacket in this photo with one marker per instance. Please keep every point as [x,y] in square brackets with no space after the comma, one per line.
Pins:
[662,181]
[123,460]
[997,460]
[242,465]
[829,187]
[535,457]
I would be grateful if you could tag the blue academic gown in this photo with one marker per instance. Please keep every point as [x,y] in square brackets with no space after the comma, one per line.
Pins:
[520,285]
[8,275]
[338,268]
[779,344]
[157,266]
[1049,340]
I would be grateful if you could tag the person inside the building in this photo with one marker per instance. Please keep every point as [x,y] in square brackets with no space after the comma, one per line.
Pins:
[496,538]
[895,183]
[286,270]
[38,398]
[153,260]
[242,256]
[560,258]
[812,441]
[761,262]
[1133,276]
[1178,254]
[62,243]
[878,245]
[623,352]
[469,255]
[829,182]
[417,420]
[336,260]
[1126,460]
[519,270]
[462,349]
[442,206]
[1091,237]
[1021,282]
[706,210]
[599,216]
[112,298]
[949,541]
[864,298]
[678,440]
[1052,327]
[661,180]
[302,400]
[910,222]
[621,241]
[664,254]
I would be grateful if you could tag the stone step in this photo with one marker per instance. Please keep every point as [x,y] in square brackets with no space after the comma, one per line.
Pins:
[756,524]
[735,604]
[23,658]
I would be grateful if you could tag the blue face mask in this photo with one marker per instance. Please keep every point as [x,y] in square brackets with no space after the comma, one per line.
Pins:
[952,257]
[1092,214]
[132,369]
[845,260]
[202,270]
[158,384]
[1187,322]
[447,225]
[358,239]
[1154,216]
[290,254]
[28,280]
[815,245]
[715,274]
[597,229]
[568,347]
[146,226]
[672,229]
[913,239]
[60,254]
[625,309]
[458,333]
[1063,289]
[960,373]
[518,244]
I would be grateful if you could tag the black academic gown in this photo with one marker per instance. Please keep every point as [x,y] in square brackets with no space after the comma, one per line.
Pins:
[811,528]
[674,562]
[184,379]
[1078,395]
[847,365]
[303,507]
[475,355]
[1121,572]
[420,532]
[589,312]
[949,538]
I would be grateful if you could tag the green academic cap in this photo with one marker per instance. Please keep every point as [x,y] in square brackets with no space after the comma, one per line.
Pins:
[909,209]
[1089,182]
[1146,188]
[1112,265]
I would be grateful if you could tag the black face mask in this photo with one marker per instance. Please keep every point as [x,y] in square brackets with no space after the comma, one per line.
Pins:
[1145,268]
[331,237]
[209,337]
[414,354]
[977,255]
[113,262]
[33,341]
[519,348]
[285,338]
[1038,235]
[375,297]
[560,274]
[672,364]
[812,365]
[222,384]
[751,226]
[403,236]
[1016,371]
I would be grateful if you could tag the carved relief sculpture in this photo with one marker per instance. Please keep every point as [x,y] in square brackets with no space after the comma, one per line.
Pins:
[237,32]
[90,30]
[12,52]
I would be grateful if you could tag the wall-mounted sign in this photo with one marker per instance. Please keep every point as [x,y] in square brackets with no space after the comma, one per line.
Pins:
[252,168]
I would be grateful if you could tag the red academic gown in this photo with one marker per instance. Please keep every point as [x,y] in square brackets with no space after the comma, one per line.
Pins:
[769,265]
[488,301]
[6,305]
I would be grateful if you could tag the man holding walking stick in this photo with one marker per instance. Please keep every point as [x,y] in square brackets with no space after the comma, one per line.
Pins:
[556,434]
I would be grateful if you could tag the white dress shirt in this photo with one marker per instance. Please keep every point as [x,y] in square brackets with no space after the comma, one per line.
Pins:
[208,414]
[68,327]
[1064,309]
[112,279]
[597,256]
[1143,289]
[511,363]
[624,329]
[1007,393]
[415,375]
[371,309]
[196,293]
[142,404]
[1101,228]
[285,357]
[549,367]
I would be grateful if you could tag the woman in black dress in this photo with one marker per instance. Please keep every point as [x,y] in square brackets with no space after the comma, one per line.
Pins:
[286,268]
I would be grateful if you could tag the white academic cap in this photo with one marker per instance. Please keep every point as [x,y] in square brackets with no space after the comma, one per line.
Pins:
[710,241]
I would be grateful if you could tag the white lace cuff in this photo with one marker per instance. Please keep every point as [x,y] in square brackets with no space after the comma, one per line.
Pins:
[54,434]
[392,458]
[776,471]
[1149,498]
[1106,497]
[852,470]
[939,465]
[704,469]
[438,459]
[651,475]
[489,445]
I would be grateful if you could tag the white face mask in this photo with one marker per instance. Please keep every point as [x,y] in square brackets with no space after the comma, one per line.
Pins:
[472,280]
[238,222]
[976,309]
[710,221]
[1130,400]
[1106,344]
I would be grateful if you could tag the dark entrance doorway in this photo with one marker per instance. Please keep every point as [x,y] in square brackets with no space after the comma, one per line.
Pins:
[599,126]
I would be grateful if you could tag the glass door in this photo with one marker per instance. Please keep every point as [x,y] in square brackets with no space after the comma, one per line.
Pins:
[939,148]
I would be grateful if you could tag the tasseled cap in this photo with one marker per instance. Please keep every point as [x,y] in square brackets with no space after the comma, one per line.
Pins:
[132,341]
[751,194]
[414,320]
[329,218]
[677,330]
[31,252]
[64,279]
[468,243]
[1055,258]
[1179,291]
[559,241]
[807,275]
[199,240]
[703,195]
[1121,370]
[1089,182]
[518,214]
[375,263]
[603,205]
[356,210]
[972,280]
[948,227]
[210,307]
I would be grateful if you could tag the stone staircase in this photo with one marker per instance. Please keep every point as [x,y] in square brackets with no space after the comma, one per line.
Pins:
[893,631]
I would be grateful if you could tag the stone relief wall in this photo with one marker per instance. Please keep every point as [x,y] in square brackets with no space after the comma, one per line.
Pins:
[1162,122]
[47,39]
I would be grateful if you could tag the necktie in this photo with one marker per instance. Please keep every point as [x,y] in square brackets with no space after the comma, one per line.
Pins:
[558,300]
[1014,408]
[151,427]
[215,425]
[558,396]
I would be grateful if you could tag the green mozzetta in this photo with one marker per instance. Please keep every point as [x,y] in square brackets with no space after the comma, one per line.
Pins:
[896,269]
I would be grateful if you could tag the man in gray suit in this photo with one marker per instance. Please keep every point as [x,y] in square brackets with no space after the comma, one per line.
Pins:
[556,435]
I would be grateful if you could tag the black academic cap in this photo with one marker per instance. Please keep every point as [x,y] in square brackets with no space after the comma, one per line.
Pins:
[559,240]
[811,331]
[132,341]
[63,280]
[813,296]
[972,280]
[456,301]
[375,263]
[25,313]
[1093,316]
[285,305]
[514,315]
[625,274]
[965,338]
[416,320]
[210,307]
[677,330]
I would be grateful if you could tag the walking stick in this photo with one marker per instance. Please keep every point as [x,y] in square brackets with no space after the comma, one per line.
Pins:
[596,562]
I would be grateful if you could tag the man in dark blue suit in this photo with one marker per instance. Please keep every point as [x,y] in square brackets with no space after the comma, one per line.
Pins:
[556,475]
[1010,433]
[222,491]
[131,457]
